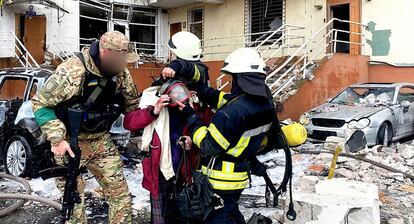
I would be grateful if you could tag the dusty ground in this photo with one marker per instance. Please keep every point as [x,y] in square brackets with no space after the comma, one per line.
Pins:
[97,208]
[396,194]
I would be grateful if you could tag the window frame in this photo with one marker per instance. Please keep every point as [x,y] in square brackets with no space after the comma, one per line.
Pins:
[151,48]
[16,77]
[404,87]
[249,23]
[190,22]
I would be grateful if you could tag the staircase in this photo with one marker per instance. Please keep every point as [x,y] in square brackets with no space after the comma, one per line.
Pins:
[291,62]
[12,47]
[59,49]
[273,45]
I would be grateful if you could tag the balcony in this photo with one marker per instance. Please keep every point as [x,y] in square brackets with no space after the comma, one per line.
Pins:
[178,3]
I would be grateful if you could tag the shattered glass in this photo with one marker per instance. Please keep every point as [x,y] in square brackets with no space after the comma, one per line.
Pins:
[365,96]
[25,112]
[372,100]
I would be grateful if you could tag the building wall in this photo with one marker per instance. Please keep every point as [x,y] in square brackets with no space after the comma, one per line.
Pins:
[143,76]
[331,77]
[69,26]
[387,73]
[387,39]
[389,34]
[304,13]
[228,20]
[220,20]
[5,62]
[389,30]
[163,34]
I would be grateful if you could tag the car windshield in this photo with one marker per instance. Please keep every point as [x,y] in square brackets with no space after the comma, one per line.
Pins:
[365,95]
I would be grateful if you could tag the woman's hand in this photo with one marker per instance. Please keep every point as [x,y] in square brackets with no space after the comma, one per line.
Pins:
[185,142]
[161,103]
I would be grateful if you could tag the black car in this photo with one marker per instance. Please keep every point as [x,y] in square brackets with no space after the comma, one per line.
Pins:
[23,148]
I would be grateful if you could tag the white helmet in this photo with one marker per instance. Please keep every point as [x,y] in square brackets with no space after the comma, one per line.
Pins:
[244,60]
[186,46]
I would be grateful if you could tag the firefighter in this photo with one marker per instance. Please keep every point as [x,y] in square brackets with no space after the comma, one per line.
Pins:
[186,48]
[236,132]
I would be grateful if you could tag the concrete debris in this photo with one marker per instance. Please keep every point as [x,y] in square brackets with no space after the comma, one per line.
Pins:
[343,172]
[396,221]
[372,100]
[338,201]
[395,191]
[406,151]
[397,176]
[330,108]
[333,141]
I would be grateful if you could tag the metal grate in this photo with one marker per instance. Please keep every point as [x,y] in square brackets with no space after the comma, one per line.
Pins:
[329,123]
[195,21]
[265,15]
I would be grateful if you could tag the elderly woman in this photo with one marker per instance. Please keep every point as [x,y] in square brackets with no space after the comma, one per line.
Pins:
[163,129]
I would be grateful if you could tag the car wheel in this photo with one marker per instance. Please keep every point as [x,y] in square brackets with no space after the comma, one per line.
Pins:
[384,135]
[18,156]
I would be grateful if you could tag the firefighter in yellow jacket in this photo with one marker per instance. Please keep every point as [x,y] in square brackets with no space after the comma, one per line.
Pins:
[98,80]
[236,132]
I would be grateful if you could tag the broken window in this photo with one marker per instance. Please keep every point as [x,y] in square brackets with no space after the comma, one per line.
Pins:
[196,22]
[142,29]
[34,89]
[12,88]
[120,12]
[139,24]
[93,20]
[406,94]
[264,16]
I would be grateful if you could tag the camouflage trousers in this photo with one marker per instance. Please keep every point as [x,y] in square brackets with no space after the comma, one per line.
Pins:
[102,159]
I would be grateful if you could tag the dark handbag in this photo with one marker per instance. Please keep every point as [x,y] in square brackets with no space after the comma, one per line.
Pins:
[190,202]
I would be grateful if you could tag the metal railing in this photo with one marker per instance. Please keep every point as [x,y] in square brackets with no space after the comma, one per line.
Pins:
[158,51]
[262,41]
[60,48]
[272,42]
[17,49]
[306,53]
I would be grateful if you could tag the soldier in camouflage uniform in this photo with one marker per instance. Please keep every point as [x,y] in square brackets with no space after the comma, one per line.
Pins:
[106,58]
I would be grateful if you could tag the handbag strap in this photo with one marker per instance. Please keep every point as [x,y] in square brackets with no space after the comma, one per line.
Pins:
[210,166]
[183,159]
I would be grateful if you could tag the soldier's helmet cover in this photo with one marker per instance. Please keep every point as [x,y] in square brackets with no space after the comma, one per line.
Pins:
[115,40]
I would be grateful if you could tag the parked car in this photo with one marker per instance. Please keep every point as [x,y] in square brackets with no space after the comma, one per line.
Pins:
[383,111]
[23,148]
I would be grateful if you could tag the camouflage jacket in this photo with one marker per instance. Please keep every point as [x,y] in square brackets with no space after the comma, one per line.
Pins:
[67,82]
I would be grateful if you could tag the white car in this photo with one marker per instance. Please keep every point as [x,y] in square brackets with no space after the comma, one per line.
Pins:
[383,111]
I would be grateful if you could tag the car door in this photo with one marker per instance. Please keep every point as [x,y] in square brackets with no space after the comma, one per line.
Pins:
[13,87]
[12,92]
[406,115]
[34,87]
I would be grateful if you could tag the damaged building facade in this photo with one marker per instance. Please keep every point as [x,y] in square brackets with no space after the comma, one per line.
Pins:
[334,43]
[61,27]
[340,42]
[313,48]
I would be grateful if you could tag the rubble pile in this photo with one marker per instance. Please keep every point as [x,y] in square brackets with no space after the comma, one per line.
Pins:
[395,191]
